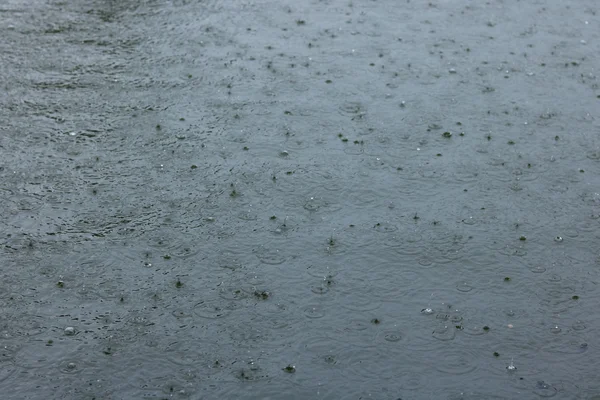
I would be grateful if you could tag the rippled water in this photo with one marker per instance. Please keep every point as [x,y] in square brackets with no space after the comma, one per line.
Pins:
[325,199]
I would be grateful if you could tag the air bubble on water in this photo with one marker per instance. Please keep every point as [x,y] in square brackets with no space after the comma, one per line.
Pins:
[555,329]
[69,331]
[558,239]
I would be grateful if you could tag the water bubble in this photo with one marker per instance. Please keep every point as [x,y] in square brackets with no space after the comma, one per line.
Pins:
[69,331]
[555,329]
[558,239]
[69,367]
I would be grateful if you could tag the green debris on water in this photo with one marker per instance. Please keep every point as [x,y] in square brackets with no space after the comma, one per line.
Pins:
[262,294]
[290,369]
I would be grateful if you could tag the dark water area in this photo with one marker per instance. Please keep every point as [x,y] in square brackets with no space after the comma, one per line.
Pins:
[299,200]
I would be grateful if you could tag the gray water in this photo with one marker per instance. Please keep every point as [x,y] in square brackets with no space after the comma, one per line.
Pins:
[299,199]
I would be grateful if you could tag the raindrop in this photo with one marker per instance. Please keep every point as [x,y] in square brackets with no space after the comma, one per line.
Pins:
[578,325]
[269,256]
[313,204]
[511,366]
[391,336]
[385,227]
[543,389]
[321,288]
[313,311]
[212,309]
[464,287]
[538,269]
[69,367]
[444,332]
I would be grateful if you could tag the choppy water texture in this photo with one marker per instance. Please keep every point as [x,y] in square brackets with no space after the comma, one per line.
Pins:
[305,200]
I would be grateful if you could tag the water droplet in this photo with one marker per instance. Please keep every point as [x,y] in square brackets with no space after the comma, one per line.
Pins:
[543,389]
[320,288]
[69,367]
[270,256]
[212,309]
[314,311]
[444,332]
[392,336]
[538,269]
[464,287]
[578,325]
[312,204]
